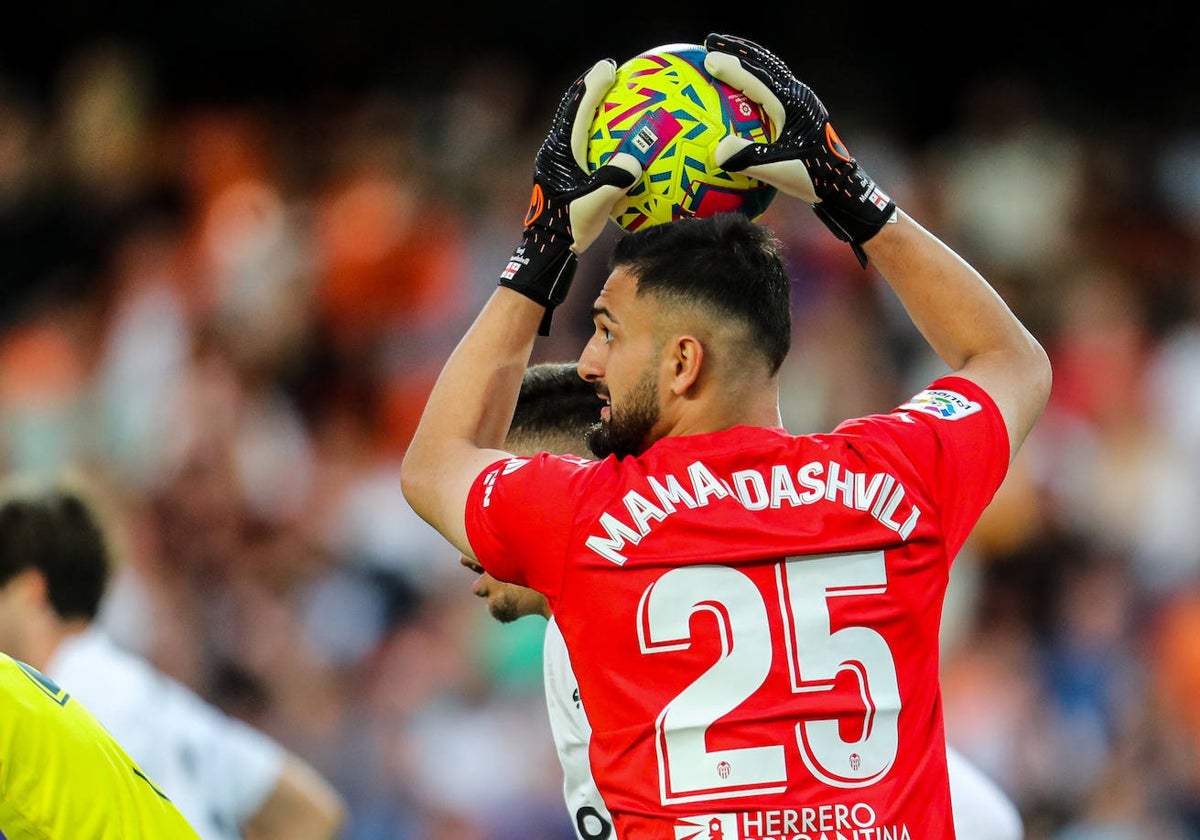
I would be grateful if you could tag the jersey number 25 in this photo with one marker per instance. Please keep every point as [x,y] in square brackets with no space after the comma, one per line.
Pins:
[816,656]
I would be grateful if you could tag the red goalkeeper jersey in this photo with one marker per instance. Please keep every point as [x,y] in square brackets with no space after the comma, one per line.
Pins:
[753,615]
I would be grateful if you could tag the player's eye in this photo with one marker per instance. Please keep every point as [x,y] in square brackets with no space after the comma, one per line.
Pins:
[604,332]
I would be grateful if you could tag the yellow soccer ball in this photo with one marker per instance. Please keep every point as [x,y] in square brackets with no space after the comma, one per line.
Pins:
[667,111]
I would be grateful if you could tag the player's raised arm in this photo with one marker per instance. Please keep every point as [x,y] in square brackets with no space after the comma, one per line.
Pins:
[961,316]
[469,409]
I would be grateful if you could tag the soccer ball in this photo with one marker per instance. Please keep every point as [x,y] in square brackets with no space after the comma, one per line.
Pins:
[667,111]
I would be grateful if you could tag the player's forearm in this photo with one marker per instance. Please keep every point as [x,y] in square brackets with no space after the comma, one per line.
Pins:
[964,319]
[956,310]
[469,409]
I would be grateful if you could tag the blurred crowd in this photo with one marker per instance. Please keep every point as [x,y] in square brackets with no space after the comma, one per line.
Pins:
[229,317]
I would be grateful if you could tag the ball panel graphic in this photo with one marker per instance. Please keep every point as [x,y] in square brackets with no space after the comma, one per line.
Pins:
[667,111]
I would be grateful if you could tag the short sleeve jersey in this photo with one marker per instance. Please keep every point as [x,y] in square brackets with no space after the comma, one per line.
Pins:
[217,769]
[753,615]
[63,775]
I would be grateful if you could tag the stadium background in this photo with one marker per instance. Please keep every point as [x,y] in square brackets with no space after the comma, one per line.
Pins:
[237,240]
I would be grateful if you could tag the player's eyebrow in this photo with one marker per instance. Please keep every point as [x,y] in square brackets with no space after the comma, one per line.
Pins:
[597,311]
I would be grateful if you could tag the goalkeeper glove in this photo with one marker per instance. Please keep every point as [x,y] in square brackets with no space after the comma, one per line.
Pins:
[807,158]
[569,207]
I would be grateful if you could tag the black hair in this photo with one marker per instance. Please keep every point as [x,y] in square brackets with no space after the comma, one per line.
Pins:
[555,406]
[724,262]
[57,534]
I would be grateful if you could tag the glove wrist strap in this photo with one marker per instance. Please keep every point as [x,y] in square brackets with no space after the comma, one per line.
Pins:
[541,268]
[851,228]
[857,212]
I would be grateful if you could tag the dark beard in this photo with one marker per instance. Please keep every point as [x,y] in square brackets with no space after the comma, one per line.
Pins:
[504,609]
[626,431]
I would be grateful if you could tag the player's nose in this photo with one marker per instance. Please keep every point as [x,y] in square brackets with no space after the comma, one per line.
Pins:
[482,587]
[590,365]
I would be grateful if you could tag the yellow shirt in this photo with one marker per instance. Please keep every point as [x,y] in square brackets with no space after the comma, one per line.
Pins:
[63,777]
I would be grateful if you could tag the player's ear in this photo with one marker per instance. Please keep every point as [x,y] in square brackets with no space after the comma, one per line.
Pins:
[687,358]
[29,587]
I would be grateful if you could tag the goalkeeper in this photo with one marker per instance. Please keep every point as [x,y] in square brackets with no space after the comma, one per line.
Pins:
[752,616]
[555,412]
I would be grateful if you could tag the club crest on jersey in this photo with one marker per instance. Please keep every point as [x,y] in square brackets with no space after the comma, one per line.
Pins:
[948,405]
[707,827]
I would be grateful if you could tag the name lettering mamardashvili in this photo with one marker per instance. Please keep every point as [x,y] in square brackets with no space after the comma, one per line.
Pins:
[879,495]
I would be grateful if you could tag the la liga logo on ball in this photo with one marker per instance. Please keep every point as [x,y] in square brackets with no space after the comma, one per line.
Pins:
[667,111]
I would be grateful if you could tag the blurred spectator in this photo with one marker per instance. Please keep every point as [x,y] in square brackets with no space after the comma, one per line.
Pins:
[228,780]
[1013,175]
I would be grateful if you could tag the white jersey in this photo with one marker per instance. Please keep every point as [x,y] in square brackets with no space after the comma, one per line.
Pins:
[981,810]
[216,769]
[572,734]
[980,807]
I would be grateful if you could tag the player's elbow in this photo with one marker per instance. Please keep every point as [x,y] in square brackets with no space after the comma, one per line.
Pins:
[332,818]
[324,819]
[328,812]
[1039,374]
[1023,388]
[1023,365]
[418,479]
[302,806]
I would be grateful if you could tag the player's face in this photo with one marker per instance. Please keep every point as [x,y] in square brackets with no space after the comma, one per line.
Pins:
[505,601]
[620,359]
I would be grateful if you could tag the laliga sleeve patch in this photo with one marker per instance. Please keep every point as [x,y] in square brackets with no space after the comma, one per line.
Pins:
[948,405]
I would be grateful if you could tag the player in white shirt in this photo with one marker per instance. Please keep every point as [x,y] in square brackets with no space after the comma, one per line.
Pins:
[218,770]
[572,734]
[228,779]
[554,412]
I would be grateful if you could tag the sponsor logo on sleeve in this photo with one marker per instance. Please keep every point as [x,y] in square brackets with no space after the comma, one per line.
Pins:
[489,480]
[948,405]
[514,464]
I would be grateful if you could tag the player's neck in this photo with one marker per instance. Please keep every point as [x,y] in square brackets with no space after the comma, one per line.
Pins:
[49,642]
[716,412]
